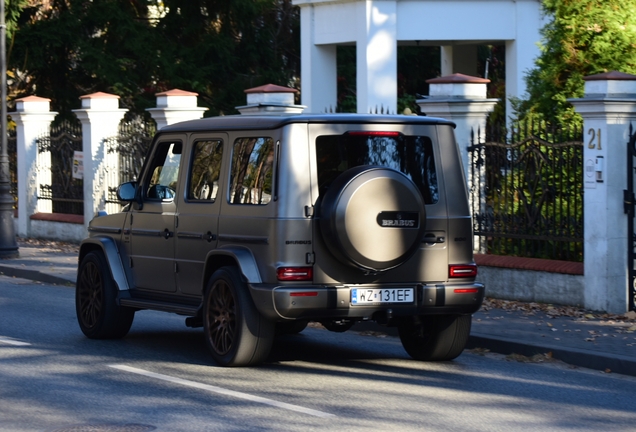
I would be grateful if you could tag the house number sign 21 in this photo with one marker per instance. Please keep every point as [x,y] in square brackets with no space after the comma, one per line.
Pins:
[595,139]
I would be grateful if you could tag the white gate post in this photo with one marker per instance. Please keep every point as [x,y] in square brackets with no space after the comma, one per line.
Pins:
[33,118]
[608,107]
[175,106]
[100,116]
[462,99]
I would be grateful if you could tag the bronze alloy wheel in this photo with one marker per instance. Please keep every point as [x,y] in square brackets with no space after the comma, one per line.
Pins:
[90,295]
[222,318]
[98,313]
[235,332]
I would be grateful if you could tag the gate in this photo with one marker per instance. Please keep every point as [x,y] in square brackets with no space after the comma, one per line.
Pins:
[629,200]
[55,154]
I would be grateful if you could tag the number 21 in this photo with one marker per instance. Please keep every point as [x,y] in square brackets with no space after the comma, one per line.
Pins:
[594,139]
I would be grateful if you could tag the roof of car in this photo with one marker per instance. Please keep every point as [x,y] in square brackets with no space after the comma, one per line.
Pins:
[252,122]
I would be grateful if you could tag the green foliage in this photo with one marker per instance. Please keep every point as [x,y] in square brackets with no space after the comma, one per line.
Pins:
[583,37]
[137,48]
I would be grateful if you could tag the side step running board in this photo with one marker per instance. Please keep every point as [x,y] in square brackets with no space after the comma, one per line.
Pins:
[180,309]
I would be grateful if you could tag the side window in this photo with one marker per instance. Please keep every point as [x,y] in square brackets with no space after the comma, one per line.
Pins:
[252,169]
[205,170]
[164,172]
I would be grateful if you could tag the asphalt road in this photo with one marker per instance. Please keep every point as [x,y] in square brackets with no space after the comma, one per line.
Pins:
[160,377]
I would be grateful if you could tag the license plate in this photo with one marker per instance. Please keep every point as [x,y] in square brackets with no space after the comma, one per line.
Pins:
[381,295]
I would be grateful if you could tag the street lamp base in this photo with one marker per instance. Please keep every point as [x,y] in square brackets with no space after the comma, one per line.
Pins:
[9,253]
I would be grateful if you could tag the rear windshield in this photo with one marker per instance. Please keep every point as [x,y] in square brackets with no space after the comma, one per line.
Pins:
[410,155]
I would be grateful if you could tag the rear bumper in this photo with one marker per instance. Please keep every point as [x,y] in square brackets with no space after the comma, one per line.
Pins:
[334,302]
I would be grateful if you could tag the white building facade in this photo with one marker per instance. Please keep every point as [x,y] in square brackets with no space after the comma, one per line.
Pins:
[377,27]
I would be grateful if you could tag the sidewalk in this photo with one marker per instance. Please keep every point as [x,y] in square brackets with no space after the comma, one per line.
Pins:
[525,331]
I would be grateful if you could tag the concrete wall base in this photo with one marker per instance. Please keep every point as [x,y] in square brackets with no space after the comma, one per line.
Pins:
[61,231]
[533,286]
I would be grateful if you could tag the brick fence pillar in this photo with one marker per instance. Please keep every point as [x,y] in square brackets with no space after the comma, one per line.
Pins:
[100,116]
[33,119]
[175,106]
[608,107]
[461,99]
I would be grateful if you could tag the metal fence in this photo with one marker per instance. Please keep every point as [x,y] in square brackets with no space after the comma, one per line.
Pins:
[125,155]
[55,155]
[526,188]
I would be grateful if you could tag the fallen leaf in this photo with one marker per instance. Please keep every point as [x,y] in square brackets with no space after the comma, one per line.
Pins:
[608,370]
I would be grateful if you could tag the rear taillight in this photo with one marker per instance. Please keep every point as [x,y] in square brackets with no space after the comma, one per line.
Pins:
[462,271]
[295,273]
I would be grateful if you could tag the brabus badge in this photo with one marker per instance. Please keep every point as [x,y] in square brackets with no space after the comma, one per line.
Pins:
[392,219]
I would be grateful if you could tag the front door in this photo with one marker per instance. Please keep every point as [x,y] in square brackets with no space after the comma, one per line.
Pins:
[153,220]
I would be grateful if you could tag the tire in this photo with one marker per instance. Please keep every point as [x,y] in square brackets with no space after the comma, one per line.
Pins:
[435,338]
[367,206]
[98,314]
[235,332]
[290,327]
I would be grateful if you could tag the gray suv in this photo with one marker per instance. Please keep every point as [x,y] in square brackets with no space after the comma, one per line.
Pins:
[252,226]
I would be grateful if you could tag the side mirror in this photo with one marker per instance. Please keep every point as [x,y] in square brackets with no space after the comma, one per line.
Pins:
[126,191]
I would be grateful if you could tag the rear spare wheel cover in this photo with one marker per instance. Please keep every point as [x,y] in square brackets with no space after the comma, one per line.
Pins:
[373,217]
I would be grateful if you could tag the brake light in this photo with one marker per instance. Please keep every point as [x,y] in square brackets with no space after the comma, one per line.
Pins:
[462,271]
[295,273]
[374,133]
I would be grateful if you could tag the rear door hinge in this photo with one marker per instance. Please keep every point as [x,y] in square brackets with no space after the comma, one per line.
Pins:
[309,211]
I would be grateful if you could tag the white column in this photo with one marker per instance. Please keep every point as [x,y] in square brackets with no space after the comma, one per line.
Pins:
[174,106]
[377,57]
[318,67]
[522,52]
[100,116]
[33,118]
[608,108]
[461,99]
[459,59]
[446,59]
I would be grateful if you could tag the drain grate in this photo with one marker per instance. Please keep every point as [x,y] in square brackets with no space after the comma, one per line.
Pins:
[105,427]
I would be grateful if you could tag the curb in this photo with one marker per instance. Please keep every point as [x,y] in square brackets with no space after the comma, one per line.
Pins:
[616,363]
[33,275]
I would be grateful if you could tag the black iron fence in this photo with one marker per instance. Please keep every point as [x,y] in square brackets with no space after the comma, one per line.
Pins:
[56,152]
[126,152]
[526,187]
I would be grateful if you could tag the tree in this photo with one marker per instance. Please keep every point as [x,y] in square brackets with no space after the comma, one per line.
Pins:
[63,49]
[583,37]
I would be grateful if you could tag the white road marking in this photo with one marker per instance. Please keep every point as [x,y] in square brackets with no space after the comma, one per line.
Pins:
[223,391]
[9,341]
